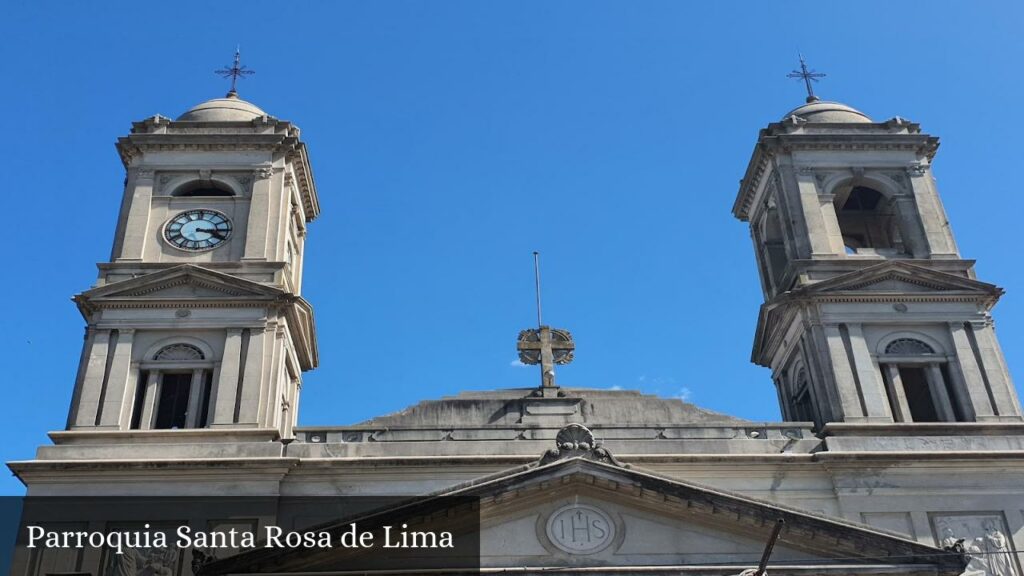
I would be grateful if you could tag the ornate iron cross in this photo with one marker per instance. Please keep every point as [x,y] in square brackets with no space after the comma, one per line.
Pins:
[808,76]
[236,71]
[545,346]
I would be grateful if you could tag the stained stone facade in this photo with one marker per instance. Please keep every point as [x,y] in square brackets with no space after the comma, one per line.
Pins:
[902,431]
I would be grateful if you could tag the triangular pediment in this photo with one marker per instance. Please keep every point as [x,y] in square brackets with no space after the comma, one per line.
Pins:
[181,282]
[582,513]
[899,277]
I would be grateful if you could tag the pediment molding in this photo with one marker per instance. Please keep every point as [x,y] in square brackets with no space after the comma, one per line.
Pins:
[831,545]
[150,285]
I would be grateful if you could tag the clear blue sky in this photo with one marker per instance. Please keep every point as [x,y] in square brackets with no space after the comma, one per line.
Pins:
[450,139]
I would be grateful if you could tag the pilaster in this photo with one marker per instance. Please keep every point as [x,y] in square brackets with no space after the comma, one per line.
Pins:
[224,397]
[871,386]
[843,376]
[92,381]
[253,379]
[970,371]
[130,244]
[810,203]
[1003,392]
[933,219]
[259,216]
[118,398]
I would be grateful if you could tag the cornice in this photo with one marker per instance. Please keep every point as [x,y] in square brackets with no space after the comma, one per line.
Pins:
[778,138]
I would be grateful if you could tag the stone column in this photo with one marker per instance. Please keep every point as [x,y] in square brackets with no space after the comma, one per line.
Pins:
[92,381]
[226,386]
[961,396]
[114,412]
[842,374]
[195,394]
[132,240]
[259,216]
[871,386]
[149,401]
[940,397]
[971,373]
[895,385]
[253,379]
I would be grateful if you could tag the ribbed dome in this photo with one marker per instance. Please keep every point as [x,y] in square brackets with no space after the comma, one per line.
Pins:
[823,111]
[228,109]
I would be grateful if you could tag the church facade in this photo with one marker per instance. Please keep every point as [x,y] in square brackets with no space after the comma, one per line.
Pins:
[901,449]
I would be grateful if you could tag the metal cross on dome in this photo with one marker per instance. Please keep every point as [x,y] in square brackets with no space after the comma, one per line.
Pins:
[236,71]
[808,76]
[544,345]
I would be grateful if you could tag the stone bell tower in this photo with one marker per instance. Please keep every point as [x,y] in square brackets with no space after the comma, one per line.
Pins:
[196,322]
[870,313]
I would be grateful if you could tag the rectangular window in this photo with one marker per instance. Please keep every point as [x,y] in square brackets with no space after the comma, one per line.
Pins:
[919,396]
[172,403]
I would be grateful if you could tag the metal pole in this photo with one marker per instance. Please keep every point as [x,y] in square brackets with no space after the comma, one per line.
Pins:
[768,547]
[536,275]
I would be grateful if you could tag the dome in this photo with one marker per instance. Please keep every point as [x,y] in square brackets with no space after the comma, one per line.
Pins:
[231,108]
[823,111]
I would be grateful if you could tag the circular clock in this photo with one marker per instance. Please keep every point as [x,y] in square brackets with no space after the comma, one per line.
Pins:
[197,230]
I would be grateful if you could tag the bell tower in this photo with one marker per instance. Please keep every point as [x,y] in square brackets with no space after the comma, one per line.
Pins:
[870,314]
[197,321]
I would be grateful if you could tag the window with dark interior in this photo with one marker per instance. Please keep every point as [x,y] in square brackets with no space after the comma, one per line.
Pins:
[203,188]
[174,389]
[868,222]
[917,383]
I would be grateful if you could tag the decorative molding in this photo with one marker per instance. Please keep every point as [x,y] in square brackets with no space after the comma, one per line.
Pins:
[917,169]
[263,173]
[183,281]
[577,441]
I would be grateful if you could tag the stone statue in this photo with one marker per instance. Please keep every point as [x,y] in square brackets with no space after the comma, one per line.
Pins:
[984,542]
[995,551]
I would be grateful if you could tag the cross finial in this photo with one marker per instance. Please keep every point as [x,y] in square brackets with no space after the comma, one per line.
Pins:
[236,71]
[544,345]
[807,76]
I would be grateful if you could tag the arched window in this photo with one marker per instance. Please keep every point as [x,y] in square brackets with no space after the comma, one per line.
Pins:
[800,397]
[773,247]
[174,390]
[203,188]
[868,222]
[917,382]
[179,352]
[908,347]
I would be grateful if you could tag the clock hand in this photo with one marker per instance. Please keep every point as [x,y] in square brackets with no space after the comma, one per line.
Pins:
[212,231]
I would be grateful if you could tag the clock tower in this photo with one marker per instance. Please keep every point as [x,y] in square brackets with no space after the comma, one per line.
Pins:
[196,328]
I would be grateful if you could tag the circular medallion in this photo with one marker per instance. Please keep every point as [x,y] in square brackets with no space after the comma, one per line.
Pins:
[580,529]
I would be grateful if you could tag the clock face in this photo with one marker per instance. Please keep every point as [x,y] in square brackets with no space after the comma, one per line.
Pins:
[198,230]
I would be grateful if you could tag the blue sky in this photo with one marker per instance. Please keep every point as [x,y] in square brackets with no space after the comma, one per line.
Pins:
[451,139]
